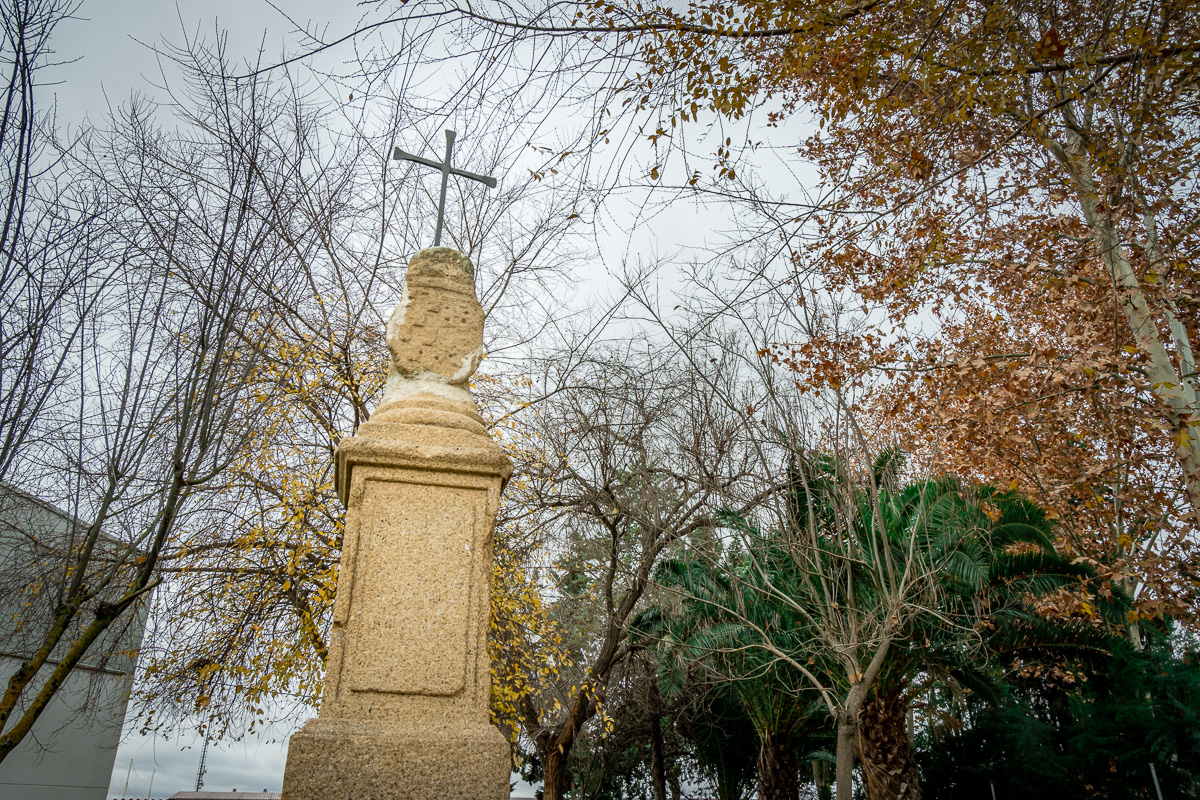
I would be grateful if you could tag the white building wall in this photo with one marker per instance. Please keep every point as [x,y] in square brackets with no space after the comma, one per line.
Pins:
[69,753]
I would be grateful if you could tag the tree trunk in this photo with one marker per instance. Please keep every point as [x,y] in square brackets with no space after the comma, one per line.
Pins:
[847,733]
[555,748]
[554,780]
[847,718]
[821,779]
[1174,389]
[658,767]
[778,773]
[103,619]
[889,768]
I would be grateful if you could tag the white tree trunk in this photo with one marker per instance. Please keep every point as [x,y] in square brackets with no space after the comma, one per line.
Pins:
[1174,387]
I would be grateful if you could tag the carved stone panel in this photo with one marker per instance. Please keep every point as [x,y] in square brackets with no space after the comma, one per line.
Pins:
[409,625]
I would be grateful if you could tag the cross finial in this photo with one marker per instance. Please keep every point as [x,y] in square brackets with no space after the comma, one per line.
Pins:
[447,170]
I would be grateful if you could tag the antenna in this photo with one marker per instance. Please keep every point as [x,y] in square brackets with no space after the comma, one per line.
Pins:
[201,770]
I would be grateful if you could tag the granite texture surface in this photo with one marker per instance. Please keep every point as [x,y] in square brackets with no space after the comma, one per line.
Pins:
[353,761]
[404,709]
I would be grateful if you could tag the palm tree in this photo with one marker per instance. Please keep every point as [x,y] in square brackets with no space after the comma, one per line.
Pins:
[705,634]
[998,559]
[868,591]
[985,556]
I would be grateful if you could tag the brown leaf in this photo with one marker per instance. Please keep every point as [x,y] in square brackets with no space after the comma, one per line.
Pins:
[1050,46]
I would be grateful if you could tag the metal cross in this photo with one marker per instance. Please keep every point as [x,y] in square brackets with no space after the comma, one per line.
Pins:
[447,170]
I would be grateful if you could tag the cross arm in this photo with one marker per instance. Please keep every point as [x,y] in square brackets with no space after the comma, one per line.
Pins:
[400,155]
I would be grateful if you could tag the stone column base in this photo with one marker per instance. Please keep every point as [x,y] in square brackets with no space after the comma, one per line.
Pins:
[343,760]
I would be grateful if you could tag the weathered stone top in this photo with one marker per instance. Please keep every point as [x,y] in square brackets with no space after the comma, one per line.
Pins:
[427,417]
[435,335]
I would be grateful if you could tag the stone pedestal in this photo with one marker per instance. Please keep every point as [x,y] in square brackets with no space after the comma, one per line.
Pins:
[404,711]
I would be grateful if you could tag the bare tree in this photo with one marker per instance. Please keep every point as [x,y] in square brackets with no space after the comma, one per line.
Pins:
[149,408]
[629,458]
[44,261]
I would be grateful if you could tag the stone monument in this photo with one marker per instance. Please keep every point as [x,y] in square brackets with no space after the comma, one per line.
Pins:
[404,711]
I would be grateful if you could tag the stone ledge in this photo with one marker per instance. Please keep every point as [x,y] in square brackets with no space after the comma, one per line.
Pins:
[344,760]
[458,451]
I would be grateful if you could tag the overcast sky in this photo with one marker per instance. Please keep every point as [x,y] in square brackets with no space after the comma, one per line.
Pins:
[110,46]
[110,43]
[109,55]
[110,50]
